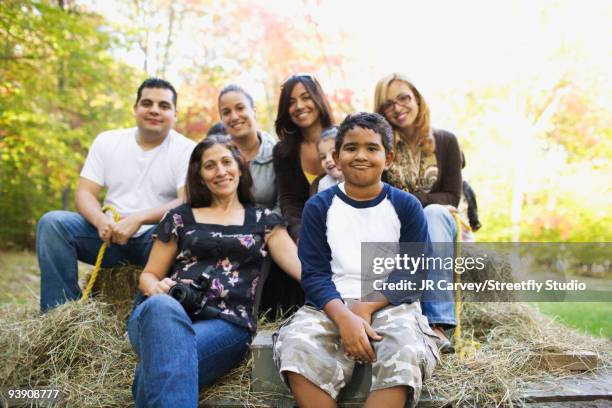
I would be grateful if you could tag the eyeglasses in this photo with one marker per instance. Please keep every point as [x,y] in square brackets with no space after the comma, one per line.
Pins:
[299,75]
[402,100]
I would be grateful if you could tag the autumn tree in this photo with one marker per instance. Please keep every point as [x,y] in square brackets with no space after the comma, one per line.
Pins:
[59,87]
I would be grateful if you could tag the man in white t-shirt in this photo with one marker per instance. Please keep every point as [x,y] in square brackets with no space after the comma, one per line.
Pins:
[143,170]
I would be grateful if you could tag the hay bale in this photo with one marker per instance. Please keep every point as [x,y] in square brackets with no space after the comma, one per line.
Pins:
[513,338]
[78,348]
[82,350]
[497,268]
[117,287]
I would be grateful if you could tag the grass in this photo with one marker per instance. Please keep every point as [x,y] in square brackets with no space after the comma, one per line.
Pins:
[20,282]
[592,317]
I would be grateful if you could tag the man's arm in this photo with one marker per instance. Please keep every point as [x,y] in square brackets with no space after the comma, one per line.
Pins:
[88,205]
[127,226]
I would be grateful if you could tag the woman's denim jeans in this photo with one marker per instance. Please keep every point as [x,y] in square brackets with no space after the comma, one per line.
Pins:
[439,305]
[177,356]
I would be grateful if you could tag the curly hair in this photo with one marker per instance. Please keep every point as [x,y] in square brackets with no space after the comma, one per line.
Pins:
[421,122]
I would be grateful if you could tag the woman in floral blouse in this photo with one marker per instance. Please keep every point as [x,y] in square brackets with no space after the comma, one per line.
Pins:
[220,234]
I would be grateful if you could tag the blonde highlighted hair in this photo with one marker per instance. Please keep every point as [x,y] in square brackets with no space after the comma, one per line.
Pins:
[421,122]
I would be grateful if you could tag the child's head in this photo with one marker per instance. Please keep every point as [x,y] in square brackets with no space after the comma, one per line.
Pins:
[326,149]
[366,120]
[364,148]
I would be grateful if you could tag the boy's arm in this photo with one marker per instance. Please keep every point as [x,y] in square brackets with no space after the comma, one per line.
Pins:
[414,242]
[315,255]
[365,310]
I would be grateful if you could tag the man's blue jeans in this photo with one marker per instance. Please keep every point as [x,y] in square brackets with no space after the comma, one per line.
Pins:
[62,237]
[439,306]
[178,356]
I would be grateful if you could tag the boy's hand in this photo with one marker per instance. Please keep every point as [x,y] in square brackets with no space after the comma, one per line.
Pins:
[363,310]
[355,331]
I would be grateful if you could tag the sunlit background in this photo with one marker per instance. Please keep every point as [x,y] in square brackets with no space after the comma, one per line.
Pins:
[525,86]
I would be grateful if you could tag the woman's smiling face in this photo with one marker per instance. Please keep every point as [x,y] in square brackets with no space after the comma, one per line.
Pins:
[400,108]
[237,114]
[220,171]
[302,108]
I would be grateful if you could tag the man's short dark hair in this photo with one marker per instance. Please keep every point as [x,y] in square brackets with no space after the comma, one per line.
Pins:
[366,120]
[156,83]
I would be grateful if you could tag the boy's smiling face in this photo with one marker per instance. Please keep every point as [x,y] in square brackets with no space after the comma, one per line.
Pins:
[362,158]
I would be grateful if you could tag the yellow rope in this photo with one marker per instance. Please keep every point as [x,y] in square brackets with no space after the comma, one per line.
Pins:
[94,275]
[460,344]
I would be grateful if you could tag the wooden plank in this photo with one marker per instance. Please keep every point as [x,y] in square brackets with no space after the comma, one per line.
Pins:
[571,404]
[585,387]
[580,361]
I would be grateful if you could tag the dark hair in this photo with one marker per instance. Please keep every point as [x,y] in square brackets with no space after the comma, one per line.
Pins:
[217,129]
[198,194]
[373,121]
[156,83]
[235,88]
[287,131]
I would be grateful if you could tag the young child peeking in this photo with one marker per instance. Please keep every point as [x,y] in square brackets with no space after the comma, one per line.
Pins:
[333,175]
[316,350]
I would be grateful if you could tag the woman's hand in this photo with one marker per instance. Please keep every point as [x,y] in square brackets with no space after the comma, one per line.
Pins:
[163,286]
[156,270]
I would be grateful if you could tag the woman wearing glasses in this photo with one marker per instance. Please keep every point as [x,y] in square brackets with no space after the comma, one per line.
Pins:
[427,164]
[303,113]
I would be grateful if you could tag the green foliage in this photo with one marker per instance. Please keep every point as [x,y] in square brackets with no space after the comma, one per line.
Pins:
[59,87]
[555,166]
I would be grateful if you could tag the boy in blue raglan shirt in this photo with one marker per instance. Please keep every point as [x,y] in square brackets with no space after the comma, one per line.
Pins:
[317,349]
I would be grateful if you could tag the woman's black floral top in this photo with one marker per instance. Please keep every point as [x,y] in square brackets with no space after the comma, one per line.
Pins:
[231,255]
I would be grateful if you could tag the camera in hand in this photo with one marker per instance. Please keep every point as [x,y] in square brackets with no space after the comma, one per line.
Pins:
[192,296]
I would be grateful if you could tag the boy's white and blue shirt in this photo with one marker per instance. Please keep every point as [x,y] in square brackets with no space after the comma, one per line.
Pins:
[333,228]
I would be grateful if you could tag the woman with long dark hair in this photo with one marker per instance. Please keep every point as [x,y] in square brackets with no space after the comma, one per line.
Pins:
[303,113]
[214,245]
[427,164]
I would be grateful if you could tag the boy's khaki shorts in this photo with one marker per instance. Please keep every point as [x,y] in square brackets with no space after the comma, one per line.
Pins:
[309,343]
